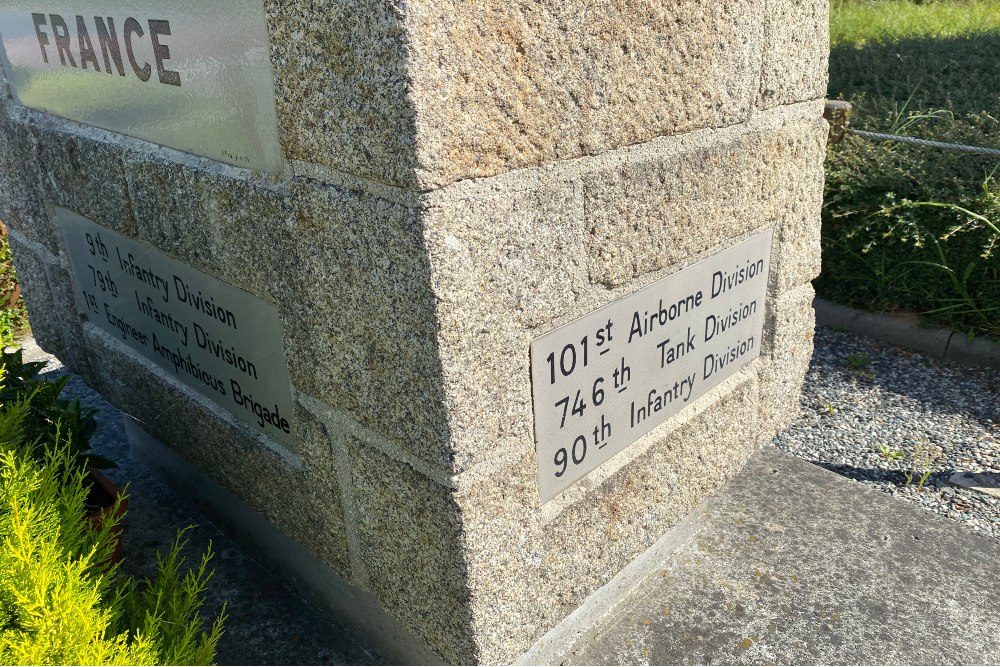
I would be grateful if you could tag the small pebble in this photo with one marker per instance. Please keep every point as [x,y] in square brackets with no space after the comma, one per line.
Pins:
[925,409]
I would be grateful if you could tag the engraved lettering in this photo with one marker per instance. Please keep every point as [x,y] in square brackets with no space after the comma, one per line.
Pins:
[154,71]
[132,27]
[43,39]
[185,321]
[110,49]
[61,35]
[87,54]
[675,341]
[161,52]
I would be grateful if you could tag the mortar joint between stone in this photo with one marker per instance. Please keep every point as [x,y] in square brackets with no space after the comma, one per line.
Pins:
[342,463]
[337,421]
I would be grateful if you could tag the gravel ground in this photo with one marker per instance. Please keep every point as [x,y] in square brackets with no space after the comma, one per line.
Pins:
[861,394]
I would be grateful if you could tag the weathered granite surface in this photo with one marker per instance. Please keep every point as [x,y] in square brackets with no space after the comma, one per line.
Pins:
[272,481]
[342,86]
[501,85]
[790,347]
[463,178]
[22,204]
[555,560]
[428,93]
[797,42]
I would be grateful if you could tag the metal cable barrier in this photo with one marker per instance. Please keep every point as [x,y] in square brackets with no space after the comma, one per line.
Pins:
[925,142]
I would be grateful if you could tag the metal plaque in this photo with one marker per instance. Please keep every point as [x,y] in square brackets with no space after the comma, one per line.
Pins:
[605,380]
[194,75]
[217,339]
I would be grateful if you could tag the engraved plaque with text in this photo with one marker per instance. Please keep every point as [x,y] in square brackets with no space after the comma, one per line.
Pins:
[194,75]
[606,379]
[221,341]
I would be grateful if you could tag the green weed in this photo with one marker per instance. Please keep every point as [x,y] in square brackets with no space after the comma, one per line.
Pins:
[891,453]
[925,461]
[921,463]
[859,364]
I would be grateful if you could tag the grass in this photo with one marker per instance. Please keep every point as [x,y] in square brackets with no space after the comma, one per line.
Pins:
[13,316]
[909,228]
[853,22]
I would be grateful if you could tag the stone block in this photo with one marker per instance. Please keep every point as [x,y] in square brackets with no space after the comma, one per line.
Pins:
[798,239]
[238,229]
[786,354]
[75,355]
[62,289]
[675,200]
[797,252]
[363,297]
[4,89]
[22,203]
[504,85]
[505,260]
[660,209]
[796,55]
[792,326]
[87,177]
[431,93]
[266,476]
[43,311]
[411,542]
[342,86]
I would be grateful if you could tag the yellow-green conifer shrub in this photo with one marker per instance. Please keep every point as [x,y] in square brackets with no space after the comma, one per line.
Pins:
[60,600]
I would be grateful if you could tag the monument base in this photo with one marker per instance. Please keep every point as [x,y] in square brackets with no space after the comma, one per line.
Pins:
[558,645]
[359,608]
[307,575]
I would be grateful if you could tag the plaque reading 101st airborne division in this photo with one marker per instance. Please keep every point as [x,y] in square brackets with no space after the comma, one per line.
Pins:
[605,380]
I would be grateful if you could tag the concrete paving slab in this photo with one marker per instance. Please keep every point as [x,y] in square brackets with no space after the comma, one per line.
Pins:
[791,564]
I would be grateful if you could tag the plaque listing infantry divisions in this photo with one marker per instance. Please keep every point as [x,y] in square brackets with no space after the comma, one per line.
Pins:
[605,380]
[223,342]
[194,75]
